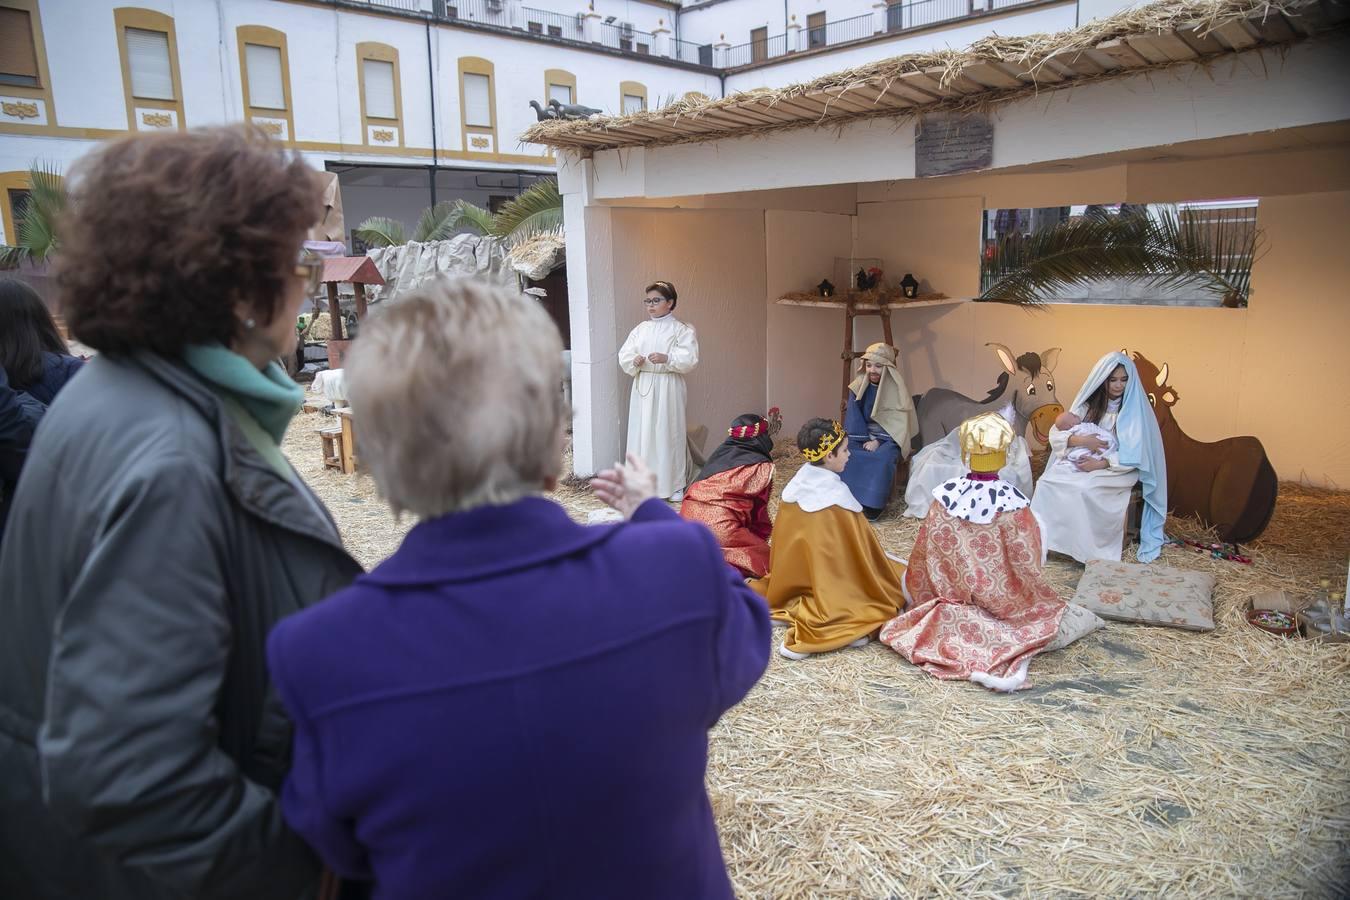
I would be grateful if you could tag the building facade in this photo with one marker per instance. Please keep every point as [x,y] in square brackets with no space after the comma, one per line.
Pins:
[414,101]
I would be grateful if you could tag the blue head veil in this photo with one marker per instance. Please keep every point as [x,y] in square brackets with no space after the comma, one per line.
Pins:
[1140,446]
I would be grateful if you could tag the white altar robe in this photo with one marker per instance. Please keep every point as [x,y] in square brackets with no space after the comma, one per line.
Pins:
[656,420]
[1084,512]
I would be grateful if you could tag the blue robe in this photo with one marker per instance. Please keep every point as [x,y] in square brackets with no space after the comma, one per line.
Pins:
[868,474]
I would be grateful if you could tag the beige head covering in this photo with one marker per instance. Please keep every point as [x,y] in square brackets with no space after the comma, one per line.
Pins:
[894,407]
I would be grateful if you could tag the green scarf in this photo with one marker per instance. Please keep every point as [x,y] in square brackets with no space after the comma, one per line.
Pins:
[269,396]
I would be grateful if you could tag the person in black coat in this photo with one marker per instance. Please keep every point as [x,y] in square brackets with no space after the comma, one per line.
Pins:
[34,365]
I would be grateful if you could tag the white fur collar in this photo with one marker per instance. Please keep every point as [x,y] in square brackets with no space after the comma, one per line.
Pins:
[978,502]
[814,488]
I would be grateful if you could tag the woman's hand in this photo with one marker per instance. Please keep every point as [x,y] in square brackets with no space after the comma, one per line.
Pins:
[658,358]
[871,446]
[1091,465]
[638,361]
[1087,441]
[626,486]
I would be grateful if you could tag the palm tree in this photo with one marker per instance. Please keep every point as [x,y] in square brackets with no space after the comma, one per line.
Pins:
[37,238]
[1164,248]
[536,209]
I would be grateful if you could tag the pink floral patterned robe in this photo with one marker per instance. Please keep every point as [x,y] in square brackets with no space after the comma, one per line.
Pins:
[979,601]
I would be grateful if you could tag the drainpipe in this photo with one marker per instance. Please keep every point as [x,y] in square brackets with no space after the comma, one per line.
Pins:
[431,83]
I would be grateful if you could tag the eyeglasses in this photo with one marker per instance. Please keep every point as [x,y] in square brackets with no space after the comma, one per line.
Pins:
[309,266]
[654,301]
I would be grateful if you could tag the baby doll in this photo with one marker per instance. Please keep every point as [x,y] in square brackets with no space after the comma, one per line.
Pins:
[1072,424]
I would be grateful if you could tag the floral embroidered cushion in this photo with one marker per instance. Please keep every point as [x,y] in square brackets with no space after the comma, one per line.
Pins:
[1153,595]
[1076,622]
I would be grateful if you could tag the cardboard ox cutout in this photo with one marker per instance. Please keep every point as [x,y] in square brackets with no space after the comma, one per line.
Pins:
[1229,484]
[1027,382]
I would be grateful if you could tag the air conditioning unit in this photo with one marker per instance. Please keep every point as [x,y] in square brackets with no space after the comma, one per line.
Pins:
[626,28]
[495,6]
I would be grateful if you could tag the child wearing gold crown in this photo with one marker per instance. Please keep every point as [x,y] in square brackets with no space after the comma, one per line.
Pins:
[829,579]
[980,607]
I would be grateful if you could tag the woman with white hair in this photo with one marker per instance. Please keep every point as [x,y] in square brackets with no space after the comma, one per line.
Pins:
[513,704]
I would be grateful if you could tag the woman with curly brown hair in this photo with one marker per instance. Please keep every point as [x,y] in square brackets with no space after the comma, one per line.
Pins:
[158,533]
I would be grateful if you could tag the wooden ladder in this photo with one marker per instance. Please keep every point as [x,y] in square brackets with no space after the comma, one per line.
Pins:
[852,312]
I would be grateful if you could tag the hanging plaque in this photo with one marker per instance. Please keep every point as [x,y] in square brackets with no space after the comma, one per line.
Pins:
[948,143]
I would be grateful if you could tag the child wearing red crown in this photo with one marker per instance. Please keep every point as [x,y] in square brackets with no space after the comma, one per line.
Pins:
[731,494]
[829,579]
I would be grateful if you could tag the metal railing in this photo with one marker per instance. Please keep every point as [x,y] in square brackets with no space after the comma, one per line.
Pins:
[543,21]
[846,31]
[900,16]
[690,52]
[756,51]
[406,5]
[627,39]
[488,12]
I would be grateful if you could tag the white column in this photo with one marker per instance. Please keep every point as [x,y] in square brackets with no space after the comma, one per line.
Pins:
[879,15]
[596,382]
[720,52]
[661,42]
[794,35]
[590,25]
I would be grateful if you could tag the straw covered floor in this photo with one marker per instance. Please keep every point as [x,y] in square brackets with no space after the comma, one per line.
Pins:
[1143,761]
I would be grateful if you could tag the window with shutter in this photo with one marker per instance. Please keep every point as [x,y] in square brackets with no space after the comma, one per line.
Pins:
[379,79]
[560,92]
[265,85]
[18,57]
[148,60]
[633,103]
[477,100]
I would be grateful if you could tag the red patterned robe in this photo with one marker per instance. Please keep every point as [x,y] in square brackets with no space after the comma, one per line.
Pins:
[980,603]
[735,505]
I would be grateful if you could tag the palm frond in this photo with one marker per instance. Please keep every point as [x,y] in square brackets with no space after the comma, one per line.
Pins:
[469,217]
[433,221]
[378,231]
[41,214]
[537,209]
[12,257]
[1163,248]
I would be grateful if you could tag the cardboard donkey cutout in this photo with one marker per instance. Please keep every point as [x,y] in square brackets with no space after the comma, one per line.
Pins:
[1229,484]
[1027,382]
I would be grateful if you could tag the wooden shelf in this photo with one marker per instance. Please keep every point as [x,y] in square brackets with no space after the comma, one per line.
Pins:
[823,303]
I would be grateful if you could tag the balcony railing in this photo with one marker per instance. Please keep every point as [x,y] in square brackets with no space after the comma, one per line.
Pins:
[543,21]
[901,16]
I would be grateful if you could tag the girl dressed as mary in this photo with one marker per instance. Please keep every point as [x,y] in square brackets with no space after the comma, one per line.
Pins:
[1083,503]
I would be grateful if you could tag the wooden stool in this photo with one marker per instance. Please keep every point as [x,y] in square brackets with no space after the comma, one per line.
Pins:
[1134,515]
[331,438]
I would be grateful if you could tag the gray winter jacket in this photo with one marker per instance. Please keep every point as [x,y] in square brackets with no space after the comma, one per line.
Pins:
[149,551]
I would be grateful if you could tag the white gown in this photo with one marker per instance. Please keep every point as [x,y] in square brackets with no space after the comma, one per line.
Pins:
[1084,512]
[941,462]
[656,419]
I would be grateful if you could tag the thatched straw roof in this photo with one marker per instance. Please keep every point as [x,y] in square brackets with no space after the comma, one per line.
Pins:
[993,70]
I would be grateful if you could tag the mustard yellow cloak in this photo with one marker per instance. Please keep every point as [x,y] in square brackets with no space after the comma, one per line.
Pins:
[829,579]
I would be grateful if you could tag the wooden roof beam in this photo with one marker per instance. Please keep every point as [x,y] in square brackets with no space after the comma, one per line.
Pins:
[1123,53]
[1237,35]
[990,76]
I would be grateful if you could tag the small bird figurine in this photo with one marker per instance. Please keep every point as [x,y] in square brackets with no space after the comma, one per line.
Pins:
[573,110]
[543,113]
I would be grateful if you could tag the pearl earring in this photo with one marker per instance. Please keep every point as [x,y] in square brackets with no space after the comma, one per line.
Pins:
[250,324]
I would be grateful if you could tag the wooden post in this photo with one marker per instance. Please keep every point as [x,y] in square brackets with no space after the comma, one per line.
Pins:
[335,313]
[847,355]
[360,290]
